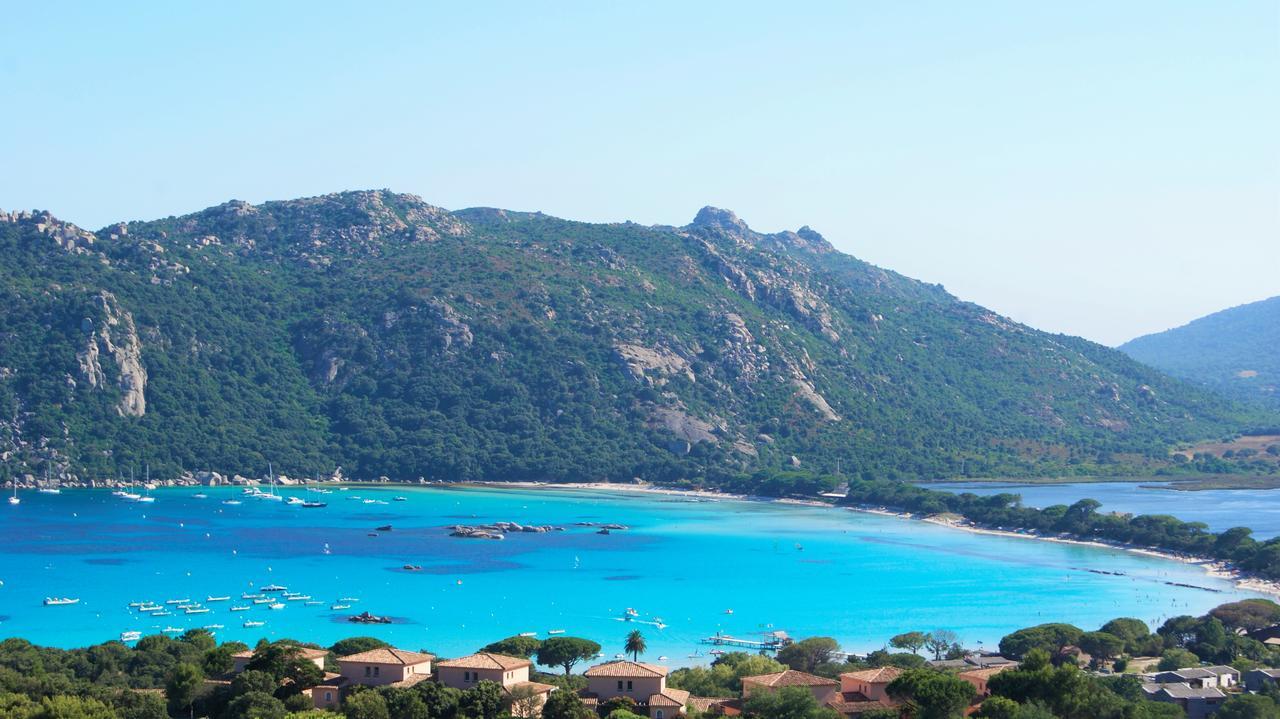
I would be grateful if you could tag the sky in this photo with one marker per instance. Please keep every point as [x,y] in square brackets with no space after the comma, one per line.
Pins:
[1101,169]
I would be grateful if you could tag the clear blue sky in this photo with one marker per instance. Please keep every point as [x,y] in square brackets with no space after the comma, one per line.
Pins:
[1099,168]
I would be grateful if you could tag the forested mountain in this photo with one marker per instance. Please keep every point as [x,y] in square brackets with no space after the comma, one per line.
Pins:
[376,332]
[1235,352]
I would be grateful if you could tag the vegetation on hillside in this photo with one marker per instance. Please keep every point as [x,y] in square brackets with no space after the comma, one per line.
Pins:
[1232,352]
[374,332]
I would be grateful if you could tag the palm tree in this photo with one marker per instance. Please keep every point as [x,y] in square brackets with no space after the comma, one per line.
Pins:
[635,644]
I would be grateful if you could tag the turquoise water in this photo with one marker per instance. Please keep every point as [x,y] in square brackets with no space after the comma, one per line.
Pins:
[807,570]
[1258,509]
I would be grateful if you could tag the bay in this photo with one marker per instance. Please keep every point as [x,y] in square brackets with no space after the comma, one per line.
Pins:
[807,570]
[1220,509]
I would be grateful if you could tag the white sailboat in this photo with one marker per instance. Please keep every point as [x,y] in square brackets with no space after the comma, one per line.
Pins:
[48,488]
[147,483]
[13,499]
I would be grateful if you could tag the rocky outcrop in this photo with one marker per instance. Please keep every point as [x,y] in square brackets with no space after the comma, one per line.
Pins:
[114,334]
[453,331]
[653,365]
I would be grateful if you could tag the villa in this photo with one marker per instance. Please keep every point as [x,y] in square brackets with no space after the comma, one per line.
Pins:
[979,677]
[525,698]
[1197,702]
[645,684]
[1255,680]
[374,668]
[240,660]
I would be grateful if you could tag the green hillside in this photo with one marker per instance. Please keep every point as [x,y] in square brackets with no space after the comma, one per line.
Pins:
[1235,352]
[372,331]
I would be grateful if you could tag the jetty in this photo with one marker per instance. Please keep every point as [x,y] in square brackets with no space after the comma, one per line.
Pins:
[772,641]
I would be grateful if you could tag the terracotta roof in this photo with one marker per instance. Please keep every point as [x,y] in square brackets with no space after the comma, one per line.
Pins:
[388,655]
[879,675]
[669,698]
[853,703]
[486,660]
[304,652]
[706,704]
[410,680]
[624,668]
[981,673]
[789,678]
[537,687]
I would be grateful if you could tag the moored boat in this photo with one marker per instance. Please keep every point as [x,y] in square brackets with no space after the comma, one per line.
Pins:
[241,609]
[60,601]
[249,624]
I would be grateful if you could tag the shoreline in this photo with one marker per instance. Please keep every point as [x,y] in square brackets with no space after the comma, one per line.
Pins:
[1211,567]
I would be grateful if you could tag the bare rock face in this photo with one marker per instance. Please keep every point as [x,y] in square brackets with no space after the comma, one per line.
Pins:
[653,366]
[683,425]
[453,331]
[116,335]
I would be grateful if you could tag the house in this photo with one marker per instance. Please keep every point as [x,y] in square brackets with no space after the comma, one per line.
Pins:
[1192,676]
[375,668]
[1227,676]
[870,683]
[1256,679]
[643,683]
[979,677]
[824,690]
[511,673]
[1197,702]
[240,660]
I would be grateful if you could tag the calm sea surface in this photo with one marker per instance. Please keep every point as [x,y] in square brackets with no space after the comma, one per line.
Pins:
[1258,509]
[807,570]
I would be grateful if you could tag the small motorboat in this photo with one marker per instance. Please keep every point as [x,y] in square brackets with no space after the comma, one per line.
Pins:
[412,567]
[528,634]
[211,627]
[130,636]
[299,598]
[200,495]
[273,588]
[251,624]
[314,603]
[383,528]
[198,610]
[555,631]
[231,502]
[162,613]
[277,605]
[218,599]
[339,607]
[264,600]
[241,609]
[59,601]
[49,490]
[246,595]
[151,608]
[295,501]
[313,505]
[172,630]
[402,499]
[178,601]
[348,599]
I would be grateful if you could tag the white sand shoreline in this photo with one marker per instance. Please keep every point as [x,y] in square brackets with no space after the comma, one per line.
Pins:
[1213,568]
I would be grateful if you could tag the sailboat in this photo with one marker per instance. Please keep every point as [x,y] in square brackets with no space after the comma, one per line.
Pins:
[14,499]
[48,488]
[147,483]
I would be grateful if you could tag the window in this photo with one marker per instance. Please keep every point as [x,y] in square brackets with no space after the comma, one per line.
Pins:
[328,696]
[466,676]
[376,671]
[368,671]
[657,714]
[619,685]
[628,685]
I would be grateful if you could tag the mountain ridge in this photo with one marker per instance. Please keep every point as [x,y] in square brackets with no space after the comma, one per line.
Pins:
[375,331]
[1232,351]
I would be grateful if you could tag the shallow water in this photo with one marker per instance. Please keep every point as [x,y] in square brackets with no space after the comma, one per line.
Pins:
[807,570]
[1258,509]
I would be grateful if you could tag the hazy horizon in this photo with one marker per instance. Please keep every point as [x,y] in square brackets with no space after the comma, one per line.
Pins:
[1099,170]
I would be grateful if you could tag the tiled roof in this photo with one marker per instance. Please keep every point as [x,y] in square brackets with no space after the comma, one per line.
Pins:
[304,652]
[879,675]
[706,704]
[789,678]
[852,703]
[388,655]
[624,668]
[486,660]
[411,680]
[537,687]
[981,673]
[669,698]
[1220,670]
[1185,691]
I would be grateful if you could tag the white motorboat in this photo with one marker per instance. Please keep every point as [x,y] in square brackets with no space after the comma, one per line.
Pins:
[59,601]
[130,636]
[241,609]
[250,624]
[218,599]
[277,605]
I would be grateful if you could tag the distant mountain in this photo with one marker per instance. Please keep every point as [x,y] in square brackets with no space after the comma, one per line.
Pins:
[1235,352]
[374,331]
